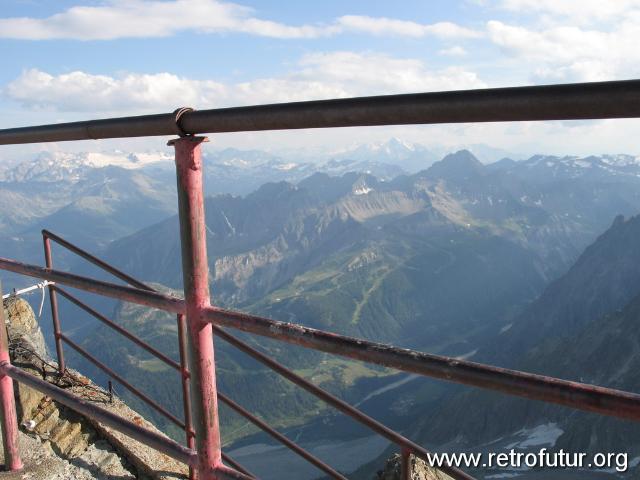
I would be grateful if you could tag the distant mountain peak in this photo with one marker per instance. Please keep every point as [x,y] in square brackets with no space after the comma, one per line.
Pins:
[459,165]
[410,157]
[393,145]
[463,157]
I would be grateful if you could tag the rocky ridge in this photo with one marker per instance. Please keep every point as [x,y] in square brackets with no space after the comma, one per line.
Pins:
[68,445]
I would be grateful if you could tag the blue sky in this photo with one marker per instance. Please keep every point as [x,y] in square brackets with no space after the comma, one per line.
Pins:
[69,60]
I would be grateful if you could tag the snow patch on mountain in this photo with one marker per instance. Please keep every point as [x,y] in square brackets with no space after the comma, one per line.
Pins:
[362,190]
[65,166]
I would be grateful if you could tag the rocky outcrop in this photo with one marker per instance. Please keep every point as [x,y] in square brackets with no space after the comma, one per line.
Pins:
[66,434]
[61,431]
[23,326]
[37,413]
[419,470]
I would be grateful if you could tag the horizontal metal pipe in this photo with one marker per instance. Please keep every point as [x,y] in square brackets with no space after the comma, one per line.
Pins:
[280,438]
[148,400]
[95,260]
[577,101]
[90,410]
[605,401]
[138,126]
[232,463]
[118,328]
[339,404]
[119,292]
[591,398]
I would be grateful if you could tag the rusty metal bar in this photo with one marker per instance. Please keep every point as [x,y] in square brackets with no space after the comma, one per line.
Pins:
[46,234]
[112,290]
[577,101]
[405,464]
[186,391]
[184,371]
[148,400]
[195,271]
[296,379]
[93,411]
[111,324]
[226,458]
[605,401]
[280,438]
[582,396]
[181,320]
[337,403]
[9,420]
[313,389]
[53,300]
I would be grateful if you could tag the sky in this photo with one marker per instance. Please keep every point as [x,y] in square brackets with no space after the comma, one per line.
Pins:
[71,60]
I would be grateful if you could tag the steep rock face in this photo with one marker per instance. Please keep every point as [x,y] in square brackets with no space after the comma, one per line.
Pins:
[23,325]
[37,412]
[28,351]
[102,452]
[603,279]
[584,327]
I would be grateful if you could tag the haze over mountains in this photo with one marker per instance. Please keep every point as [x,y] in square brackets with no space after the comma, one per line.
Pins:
[583,327]
[64,191]
[505,262]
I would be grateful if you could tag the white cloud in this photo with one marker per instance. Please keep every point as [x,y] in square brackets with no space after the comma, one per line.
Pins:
[79,91]
[360,74]
[573,53]
[390,26]
[455,51]
[317,76]
[153,18]
[575,11]
[132,18]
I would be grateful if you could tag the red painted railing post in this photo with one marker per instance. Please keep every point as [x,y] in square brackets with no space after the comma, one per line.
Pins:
[195,271]
[54,307]
[12,460]
[405,464]
[186,393]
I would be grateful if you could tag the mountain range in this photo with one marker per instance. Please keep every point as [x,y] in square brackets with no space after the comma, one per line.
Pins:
[378,259]
[504,263]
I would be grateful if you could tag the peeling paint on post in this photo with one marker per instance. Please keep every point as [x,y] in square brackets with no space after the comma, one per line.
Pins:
[195,272]
[12,459]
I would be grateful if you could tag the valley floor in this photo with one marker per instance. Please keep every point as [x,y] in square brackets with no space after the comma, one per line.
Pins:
[274,462]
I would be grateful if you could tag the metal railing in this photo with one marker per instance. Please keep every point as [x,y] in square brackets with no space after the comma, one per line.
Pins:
[179,366]
[198,320]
